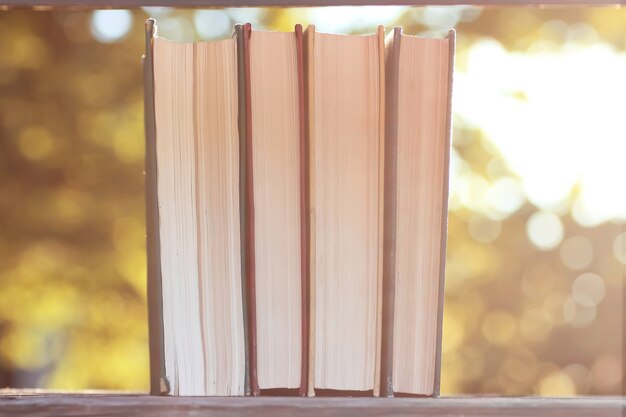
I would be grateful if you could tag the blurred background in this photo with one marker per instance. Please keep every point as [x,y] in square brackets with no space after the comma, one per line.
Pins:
[537,244]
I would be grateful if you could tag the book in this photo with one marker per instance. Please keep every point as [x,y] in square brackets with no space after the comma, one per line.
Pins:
[274,78]
[418,130]
[346,151]
[296,207]
[196,150]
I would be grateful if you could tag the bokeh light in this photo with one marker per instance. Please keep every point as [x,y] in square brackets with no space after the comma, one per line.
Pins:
[212,24]
[110,25]
[578,315]
[576,252]
[588,289]
[545,230]
[619,248]
[341,19]
[36,143]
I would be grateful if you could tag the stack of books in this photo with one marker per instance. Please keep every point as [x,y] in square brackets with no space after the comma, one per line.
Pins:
[297,187]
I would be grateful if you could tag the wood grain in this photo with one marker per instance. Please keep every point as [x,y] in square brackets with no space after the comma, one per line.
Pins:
[44,404]
[113,4]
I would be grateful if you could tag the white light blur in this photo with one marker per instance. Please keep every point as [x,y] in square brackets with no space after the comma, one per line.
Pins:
[505,196]
[483,229]
[556,117]
[344,19]
[212,24]
[252,15]
[619,248]
[545,230]
[157,11]
[177,28]
[588,289]
[441,17]
[110,25]
[577,315]
[576,252]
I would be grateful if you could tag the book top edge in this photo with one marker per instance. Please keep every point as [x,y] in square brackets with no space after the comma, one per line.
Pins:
[151,22]
[428,38]
[224,40]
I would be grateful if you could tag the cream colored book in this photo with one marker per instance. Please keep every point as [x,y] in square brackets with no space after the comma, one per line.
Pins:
[275,147]
[346,132]
[419,88]
[197,157]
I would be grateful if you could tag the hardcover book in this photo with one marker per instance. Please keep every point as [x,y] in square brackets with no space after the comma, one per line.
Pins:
[418,131]
[346,148]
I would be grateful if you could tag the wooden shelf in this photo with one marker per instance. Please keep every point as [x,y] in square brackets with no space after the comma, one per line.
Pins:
[111,4]
[45,403]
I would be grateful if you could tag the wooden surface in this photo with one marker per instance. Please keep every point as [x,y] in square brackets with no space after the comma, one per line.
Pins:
[41,403]
[112,4]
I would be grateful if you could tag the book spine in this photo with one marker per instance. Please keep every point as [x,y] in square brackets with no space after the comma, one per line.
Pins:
[444,219]
[389,245]
[309,36]
[381,205]
[249,227]
[242,123]
[159,384]
[304,215]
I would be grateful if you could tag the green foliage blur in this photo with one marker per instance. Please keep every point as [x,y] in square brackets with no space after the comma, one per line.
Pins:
[529,309]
